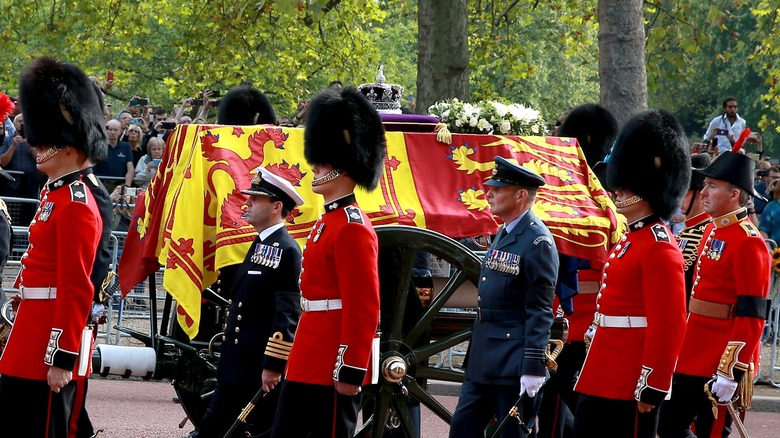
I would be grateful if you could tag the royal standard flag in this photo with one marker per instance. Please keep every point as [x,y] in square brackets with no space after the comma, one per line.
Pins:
[190,218]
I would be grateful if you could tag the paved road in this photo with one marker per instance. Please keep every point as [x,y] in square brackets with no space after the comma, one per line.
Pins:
[138,409]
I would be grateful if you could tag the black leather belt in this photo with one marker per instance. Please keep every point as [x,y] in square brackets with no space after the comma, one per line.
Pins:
[500,314]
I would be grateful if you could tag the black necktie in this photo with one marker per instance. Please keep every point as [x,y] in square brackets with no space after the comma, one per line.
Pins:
[501,235]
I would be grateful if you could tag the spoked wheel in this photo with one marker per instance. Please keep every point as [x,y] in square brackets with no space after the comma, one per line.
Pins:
[413,332]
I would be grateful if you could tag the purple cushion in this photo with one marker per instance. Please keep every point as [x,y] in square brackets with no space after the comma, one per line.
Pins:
[409,122]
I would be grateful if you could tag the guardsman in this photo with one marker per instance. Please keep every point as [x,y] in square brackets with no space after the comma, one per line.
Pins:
[506,355]
[595,129]
[640,309]
[263,312]
[696,220]
[50,348]
[728,304]
[344,141]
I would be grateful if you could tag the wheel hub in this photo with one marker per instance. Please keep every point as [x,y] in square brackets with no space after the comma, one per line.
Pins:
[394,369]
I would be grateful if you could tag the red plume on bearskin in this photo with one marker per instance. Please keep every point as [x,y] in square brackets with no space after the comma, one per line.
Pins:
[6,105]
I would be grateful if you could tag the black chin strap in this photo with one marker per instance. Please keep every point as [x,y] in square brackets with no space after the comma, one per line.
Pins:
[690,205]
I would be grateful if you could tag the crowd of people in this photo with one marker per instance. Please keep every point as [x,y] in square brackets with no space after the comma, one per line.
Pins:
[652,345]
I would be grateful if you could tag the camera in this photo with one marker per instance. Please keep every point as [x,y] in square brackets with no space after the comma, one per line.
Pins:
[129,191]
[143,101]
[214,93]
[762,173]
[20,131]
[197,102]
[168,125]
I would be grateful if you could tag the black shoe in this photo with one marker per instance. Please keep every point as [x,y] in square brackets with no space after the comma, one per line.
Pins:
[175,399]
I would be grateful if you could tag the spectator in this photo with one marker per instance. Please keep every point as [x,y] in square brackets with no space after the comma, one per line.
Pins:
[764,188]
[124,118]
[769,224]
[724,130]
[185,120]
[147,165]
[9,131]
[19,158]
[120,158]
[123,201]
[135,138]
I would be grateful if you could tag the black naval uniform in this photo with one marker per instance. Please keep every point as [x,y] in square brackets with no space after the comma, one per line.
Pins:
[261,321]
[515,295]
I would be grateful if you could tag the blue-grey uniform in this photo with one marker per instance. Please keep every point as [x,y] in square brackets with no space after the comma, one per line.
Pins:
[516,289]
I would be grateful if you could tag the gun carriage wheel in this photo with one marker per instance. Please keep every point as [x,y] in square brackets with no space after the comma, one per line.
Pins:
[413,332]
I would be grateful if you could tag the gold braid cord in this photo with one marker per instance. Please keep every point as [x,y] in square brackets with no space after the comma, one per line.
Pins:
[712,400]
[745,388]
[554,348]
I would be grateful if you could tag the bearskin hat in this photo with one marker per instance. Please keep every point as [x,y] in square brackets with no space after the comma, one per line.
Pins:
[344,130]
[651,158]
[61,108]
[595,129]
[245,106]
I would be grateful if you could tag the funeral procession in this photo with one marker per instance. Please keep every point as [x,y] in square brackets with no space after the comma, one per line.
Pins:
[390,218]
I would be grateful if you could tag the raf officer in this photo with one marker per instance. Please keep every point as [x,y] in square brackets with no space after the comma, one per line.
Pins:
[263,313]
[507,351]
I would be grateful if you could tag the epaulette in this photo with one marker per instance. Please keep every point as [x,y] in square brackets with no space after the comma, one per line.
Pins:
[4,210]
[93,179]
[749,228]
[661,233]
[78,192]
[353,214]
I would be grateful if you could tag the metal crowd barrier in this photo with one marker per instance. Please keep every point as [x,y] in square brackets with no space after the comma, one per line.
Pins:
[772,328]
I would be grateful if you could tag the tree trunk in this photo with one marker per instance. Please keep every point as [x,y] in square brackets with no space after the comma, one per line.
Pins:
[443,52]
[622,73]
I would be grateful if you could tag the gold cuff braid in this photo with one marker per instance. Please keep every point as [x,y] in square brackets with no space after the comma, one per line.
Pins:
[277,347]
[730,360]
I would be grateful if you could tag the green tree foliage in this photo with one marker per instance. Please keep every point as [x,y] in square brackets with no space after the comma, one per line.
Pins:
[170,50]
[699,53]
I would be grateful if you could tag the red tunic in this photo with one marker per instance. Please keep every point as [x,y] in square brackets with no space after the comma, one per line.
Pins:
[734,261]
[63,239]
[642,278]
[339,262]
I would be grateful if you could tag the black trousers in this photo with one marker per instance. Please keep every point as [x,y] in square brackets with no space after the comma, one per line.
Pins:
[227,403]
[609,418]
[559,402]
[315,411]
[83,424]
[479,403]
[689,403]
[33,410]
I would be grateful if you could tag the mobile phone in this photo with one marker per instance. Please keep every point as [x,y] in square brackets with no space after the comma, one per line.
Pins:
[130,191]
[214,93]
[168,125]
[215,103]
[156,161]
[138,121]
[143,101]
[110,76]
[133,102]
[198,102]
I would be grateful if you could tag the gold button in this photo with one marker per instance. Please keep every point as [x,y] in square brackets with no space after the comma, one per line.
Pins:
[238,317]
[238,329]
[236,341]
[224,338]
[240,304]
[230,301]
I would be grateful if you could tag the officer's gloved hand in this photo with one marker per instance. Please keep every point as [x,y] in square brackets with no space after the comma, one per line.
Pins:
[531,384]
[723,388]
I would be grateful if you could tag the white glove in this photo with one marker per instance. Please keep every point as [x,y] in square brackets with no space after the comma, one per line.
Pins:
[531,384]
[97,310]
[723,388]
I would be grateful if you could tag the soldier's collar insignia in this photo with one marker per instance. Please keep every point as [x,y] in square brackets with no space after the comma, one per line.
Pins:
[93,179]
[340,203]
[731,218]
[64,180]
[495,170]
[643,222]
[59,183]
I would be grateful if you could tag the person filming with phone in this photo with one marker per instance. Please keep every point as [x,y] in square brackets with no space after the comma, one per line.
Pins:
[148,164]
[725,129]
[120,159]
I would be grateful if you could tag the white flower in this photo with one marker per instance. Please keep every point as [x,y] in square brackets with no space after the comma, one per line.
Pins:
[473,122]
[484,125]
[504,126]
[458,122]
[501,109]
[535,128]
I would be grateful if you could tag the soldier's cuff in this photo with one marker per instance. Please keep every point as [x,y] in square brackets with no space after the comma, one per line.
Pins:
[346,373]
[534,362]
[729,365]
[277,351]
[56,356]
[646,393]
